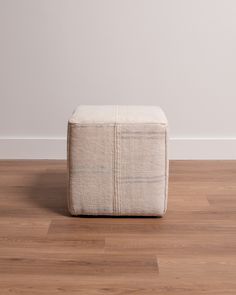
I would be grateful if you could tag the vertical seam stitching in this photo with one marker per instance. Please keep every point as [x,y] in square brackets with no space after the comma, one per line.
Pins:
[115,199]
[166,170]
[117,162]
[119,167]
[114,169]
[118,170]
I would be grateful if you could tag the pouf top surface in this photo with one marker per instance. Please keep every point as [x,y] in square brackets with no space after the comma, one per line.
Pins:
[86,114]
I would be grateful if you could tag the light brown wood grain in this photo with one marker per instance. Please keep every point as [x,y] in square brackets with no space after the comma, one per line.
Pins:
[192,250]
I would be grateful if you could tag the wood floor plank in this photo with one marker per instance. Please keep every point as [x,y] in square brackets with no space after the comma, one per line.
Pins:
[169,246]
[71,229]
[139,284]
[14,227]
[45,248]
[72,284]
[85,265]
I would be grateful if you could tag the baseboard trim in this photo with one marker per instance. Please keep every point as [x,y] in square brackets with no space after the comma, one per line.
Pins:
[180,148]
[203,148]
[33,148]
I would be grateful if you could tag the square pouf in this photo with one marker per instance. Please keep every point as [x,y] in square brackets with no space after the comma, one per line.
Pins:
[117,161]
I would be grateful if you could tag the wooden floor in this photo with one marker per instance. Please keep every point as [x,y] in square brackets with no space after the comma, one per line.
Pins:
[192,250]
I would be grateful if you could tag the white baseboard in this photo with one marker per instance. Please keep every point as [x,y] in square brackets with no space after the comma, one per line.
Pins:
[203,148]
[33,148]
[180,148]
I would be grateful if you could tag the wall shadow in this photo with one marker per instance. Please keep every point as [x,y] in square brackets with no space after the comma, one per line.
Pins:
[48,191]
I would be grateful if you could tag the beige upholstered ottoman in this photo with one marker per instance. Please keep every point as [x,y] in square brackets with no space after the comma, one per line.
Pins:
[117,161]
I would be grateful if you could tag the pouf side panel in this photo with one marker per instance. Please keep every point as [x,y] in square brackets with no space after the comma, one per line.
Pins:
[91,188]
[143,172]
[166,168]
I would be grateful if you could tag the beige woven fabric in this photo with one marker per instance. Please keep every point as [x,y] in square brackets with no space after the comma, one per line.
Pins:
[117,161]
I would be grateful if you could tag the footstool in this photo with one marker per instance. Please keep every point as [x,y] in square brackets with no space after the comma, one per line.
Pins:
[117,161]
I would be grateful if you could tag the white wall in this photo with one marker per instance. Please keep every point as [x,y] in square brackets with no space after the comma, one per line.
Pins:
[56,54]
